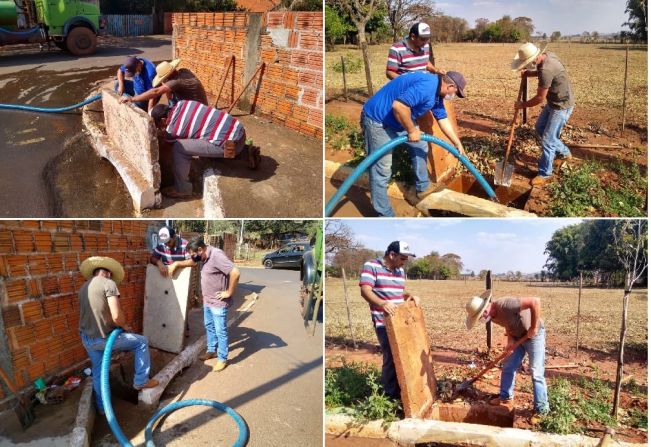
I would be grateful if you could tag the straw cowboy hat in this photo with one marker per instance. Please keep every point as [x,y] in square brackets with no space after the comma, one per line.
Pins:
[475,307]
[94,262]
[525,55]
[163,70]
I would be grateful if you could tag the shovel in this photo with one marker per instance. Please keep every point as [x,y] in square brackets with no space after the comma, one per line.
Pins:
[466,383]
[22,407]
[503,169]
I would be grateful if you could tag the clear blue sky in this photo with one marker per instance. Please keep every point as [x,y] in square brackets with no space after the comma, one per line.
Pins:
[566,16]
[497,244]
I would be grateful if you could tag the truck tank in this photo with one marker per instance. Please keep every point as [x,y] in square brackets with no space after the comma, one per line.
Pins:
[8,14]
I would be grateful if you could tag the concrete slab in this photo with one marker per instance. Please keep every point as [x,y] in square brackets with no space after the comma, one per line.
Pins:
[165,310]
[411,355]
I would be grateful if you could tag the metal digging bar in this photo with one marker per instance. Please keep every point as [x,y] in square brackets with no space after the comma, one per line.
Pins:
[388,147]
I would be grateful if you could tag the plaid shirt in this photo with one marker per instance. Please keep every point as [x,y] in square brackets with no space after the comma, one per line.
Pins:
[180,252]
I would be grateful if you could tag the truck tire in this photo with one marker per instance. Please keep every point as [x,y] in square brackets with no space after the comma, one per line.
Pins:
[81,41]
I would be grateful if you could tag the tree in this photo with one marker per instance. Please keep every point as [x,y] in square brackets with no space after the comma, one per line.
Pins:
[335,25]
[338,236]
[630,240]
[420,268]
[544,36]
[524,26]
[637,11]
[403,13]
[352,260]
[556,35]
[595,36]
[482,274]
[360,12]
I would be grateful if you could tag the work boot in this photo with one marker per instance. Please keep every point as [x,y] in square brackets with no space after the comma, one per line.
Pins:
[540,180]
[220,365]
[207,356]
[497,402]
[151,383]
[254,157]
[562,161]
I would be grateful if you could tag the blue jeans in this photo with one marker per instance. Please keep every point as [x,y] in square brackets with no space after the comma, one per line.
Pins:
[548,127]
[130,91]
[126,341]
[215,320]
[389,378]
[535,349]
[375,136]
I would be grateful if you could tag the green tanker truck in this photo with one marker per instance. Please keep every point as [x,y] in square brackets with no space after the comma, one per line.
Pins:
[71,25]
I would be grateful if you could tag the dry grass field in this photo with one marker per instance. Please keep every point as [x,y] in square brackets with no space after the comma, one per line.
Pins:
[596,71]
[443,304]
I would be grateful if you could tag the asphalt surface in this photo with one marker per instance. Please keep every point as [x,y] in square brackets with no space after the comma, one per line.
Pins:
[274,379]
[34,146]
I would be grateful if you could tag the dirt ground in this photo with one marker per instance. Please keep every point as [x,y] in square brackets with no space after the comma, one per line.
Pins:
[454,349]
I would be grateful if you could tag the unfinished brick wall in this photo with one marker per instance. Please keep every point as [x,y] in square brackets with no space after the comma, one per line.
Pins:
[291,45]
[39,284]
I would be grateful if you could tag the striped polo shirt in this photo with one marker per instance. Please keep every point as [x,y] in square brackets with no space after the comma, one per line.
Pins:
[168,256]
[403,59]
[193,120]
[387,285]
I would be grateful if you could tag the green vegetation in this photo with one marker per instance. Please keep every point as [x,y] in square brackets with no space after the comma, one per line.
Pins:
[341,134]
[574,405]
[357,386]
[353,64]
[588,190]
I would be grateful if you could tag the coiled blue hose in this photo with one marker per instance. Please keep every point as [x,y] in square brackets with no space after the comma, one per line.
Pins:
[375,156]
[50,109]
[149,442]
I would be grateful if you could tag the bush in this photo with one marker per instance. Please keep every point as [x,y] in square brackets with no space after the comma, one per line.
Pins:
[353,64]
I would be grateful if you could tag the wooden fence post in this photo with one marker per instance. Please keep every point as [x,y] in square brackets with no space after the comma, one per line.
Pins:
[343,72]
[350,321]
[625,89]
[578,314]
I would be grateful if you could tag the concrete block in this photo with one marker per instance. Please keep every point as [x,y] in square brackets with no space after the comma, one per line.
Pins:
[165,309]
[142,180]
[134,135]
[411,355]
[85,420]
[213,206]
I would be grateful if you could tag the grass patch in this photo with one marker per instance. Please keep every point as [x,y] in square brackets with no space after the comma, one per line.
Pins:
[586,190]
[638,419]
[574,405]
[357,386]
[353,64]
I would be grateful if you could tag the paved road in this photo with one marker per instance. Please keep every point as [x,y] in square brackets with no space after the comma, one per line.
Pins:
[29,142]
[274,380]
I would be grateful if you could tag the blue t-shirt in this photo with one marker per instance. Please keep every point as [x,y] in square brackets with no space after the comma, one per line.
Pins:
[419,91]
[142,82]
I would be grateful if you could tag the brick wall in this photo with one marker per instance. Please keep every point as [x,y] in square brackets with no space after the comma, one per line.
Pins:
[40,279]
[291,45]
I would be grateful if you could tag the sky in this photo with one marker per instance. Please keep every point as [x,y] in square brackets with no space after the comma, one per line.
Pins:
[496,244]
[567,16]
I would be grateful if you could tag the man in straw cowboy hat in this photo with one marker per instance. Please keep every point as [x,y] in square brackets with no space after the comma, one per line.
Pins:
[99,313]
[520,317]
[553,85]
[393,112]
[382,284]
[176,83]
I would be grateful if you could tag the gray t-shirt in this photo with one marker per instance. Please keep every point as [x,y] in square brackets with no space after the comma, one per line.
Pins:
[553,76]
[509,316]
[185,85]
[214,277]
[95,318]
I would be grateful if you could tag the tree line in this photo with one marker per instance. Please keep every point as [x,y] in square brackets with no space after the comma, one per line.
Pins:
[593,248]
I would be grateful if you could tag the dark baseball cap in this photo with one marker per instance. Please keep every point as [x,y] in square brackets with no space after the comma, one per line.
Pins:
[459,81]
[400,247]
[420,29]
[130,65]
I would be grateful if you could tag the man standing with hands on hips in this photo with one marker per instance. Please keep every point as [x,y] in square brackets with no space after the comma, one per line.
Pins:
[219,278]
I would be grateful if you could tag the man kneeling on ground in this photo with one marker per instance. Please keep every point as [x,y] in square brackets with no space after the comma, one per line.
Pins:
[199,130]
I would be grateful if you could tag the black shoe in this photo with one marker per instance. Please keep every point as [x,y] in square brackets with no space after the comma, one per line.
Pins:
[207,356]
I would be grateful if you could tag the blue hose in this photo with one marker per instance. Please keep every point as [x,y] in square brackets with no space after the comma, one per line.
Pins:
[50,109]
[149,442]
[375,156]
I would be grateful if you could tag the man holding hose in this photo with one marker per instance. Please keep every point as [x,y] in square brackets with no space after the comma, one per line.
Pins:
[520,317]
[392,112]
